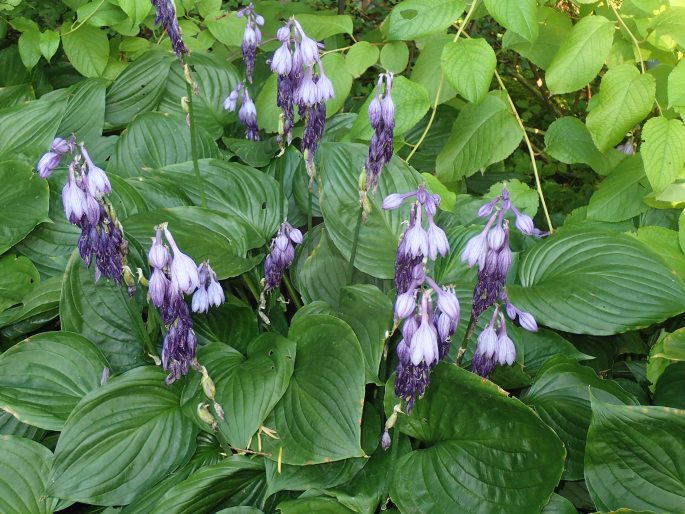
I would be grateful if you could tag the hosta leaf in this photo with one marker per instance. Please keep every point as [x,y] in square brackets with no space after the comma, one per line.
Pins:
[24,465]
[668,390]
[469,64]
[24,200]
[412,19]
[559,505]
[516,15]
[84,115]
[104,314]
[625,98]
[17,277]
[595,282]
[621,195]
[632,457]
[483,134]
[59,368]
[663,151]
[318,504]
[34,125]
[234,323]
[340,165]
[318,419]
[478,442]
[121,439]
[581,56]
[560,396]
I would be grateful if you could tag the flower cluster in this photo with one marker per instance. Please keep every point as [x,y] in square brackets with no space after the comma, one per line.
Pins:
[252,38]
[490,250]
[172,276]
[83,198]
[281,255]
[301,82]
[166,17]
[247,114]
[427,330]
[382,119]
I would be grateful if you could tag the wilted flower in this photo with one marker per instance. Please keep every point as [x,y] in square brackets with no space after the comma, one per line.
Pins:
[252,38]
[281,255]
[493,347]
[382,119]
[166,17]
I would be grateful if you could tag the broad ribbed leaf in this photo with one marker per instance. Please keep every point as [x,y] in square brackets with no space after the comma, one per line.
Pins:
[84,115]
[596,282]
[560,396]
[559,505]
[104,314]
[34,125]
[469,64]
[516,15]
[633,457]
[625,97]
[340,165]
[58,368]
[478,444]
[668,390]
[23,202]
[413,19]
[663,151]
[17,277]
[318,419]
[483,134]
[318,504]
[121,439]
[24,466]
[581,56]
[621,195]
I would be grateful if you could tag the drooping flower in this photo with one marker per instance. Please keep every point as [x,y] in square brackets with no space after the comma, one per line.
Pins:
[494,346]
[50,160]
[281,255]
[247,114]
[382,118]
[209,293]
[252,38]
[182,270]
[166,17]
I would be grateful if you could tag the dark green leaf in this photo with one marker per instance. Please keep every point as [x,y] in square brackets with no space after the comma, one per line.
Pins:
[17,277]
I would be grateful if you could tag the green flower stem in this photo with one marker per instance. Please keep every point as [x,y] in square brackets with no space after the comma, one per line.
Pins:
[310,207]
[193,144]
[291,291]
[355,243]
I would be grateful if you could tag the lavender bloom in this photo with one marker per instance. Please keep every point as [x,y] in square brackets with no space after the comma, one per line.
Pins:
[98,183]
[313,130]
[231,101]
[281,255]
[166,17]
[50,160]
[180,342]
[182,270]
[248,117]
[382,119]
[493,347]
[252,38]
[210,292]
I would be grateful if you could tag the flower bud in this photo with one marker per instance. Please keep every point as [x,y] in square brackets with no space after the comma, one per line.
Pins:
[393,201]
[405,305]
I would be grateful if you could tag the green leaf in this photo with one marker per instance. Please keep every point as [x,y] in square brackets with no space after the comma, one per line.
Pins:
[227,29]
[29,48]
[560,396]
[103,313]
[24,464]
[395,56]
[483,134]
[318,504]
[233,323]
[107,459]
[411,104]
[516,15]
[18,276]
[669,388]
[340,165]
[9,425]
[154,140]
[41,301]
[588,281]
[621,195]
[427,71]
[85,114]
[581,56]
[478,442]
[668,28]
[668,349]
[631,458]
[360,57]
[87,49]
[625,97]
[676,86]
[211,487]
[249,387]
[412,19]
[320,26]
[137,10]
[59,368]
[469,64]
[139,88]
[23,202]
[33,128]
[336,70]
[318,419]
[568,140]
[49,43]
[553,27]
[663,151]
[559,505]
[314,476]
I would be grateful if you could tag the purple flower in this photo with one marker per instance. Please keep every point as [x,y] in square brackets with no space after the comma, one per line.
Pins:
[62,146]
[405,305]
[166,17]
[180,342]
[281,255]
[232,99]
[437,241]
[493,347]
[209,293]
[252,38]
[158,287]
[382,120]
[47,164]
[73,198]
[98,183]
[282,61]
[158,256]
[309,49]
[248,117]
[183,270]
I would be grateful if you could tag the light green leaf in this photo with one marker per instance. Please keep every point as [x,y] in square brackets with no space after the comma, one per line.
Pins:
[227,29]
[318,419]
[24,465]
[483,134]
[395,56]
[23,202]
[516,15]
[59,368]
[336,70]
[360,57]
[663,151]
[49,43]
[137,10]
[320,26]
[427,71]
[29,48]
[87,49]
[676,86]
[18,276]
[107,459]
[412,19]
[588,281]
[477,443]
[631,459]
[33,128]
[621,195]
[469,64]
[581,56]
[668,28]
[560,396]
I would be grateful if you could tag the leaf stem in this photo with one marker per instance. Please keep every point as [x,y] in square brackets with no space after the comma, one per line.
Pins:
[291,291]
[632,36]
[193,144]
[310,208]
[84,21]
[442,81]
[470,329]
[355,243]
